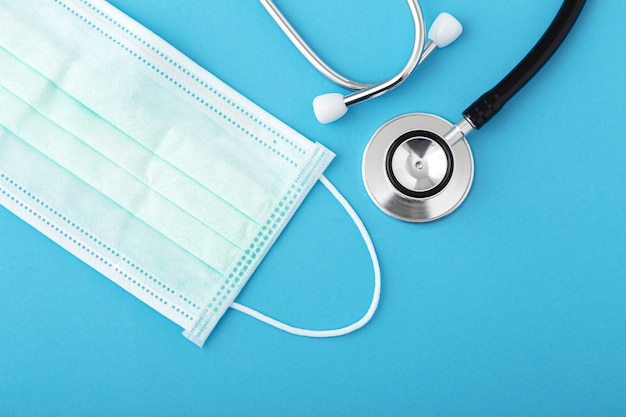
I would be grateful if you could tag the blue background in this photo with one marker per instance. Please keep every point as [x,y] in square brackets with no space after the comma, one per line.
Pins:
[514,305]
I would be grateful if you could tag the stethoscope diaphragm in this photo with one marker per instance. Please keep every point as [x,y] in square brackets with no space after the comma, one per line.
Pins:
[414,174]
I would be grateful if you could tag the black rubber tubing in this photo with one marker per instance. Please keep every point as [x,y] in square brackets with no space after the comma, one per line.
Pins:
[490,103]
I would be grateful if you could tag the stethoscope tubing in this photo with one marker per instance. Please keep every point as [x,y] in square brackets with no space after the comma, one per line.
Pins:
[490,103]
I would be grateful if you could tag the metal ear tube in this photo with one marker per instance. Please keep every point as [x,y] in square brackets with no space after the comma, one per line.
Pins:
[332,106]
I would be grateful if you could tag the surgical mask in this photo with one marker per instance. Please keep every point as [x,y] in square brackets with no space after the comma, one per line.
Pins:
[142,164]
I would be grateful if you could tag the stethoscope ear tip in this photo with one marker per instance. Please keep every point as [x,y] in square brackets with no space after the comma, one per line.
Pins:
[445,30]
[329,107]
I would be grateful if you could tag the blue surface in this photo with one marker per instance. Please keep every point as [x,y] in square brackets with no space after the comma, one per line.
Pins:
[514,305]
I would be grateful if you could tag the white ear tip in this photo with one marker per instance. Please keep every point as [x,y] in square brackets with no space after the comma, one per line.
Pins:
[445,30]
[329,107]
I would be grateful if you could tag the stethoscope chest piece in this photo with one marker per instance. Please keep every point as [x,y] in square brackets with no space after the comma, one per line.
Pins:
[412,173]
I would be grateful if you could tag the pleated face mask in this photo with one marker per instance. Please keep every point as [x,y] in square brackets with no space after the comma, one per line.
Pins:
[141,163]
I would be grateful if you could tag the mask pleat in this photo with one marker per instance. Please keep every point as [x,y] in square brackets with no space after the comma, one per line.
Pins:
[129,155]
[135,248]
[101,174]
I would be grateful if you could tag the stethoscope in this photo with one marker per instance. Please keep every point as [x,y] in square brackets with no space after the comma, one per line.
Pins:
[419,167]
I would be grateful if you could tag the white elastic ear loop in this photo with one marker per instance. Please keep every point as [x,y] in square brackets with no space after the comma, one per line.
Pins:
[375,297]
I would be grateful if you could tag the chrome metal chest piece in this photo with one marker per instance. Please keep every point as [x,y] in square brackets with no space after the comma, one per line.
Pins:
[412,173]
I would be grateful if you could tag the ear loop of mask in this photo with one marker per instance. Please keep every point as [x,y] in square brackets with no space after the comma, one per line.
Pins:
[375,297]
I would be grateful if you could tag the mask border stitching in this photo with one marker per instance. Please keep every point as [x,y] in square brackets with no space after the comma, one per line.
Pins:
[283,210]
